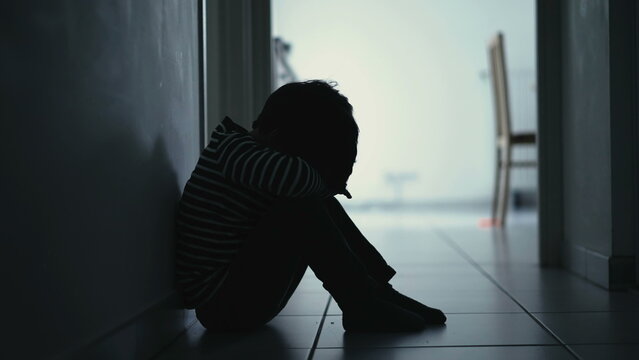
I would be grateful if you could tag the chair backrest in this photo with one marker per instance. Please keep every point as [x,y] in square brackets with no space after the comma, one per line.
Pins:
[500,85]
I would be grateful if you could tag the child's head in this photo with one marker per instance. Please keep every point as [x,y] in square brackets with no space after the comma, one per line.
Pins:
[314,121]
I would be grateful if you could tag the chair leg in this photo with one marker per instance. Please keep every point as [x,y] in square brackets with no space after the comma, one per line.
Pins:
[504,190]
[496,188]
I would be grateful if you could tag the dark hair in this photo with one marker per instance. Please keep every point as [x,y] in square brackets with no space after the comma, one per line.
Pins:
[313,121]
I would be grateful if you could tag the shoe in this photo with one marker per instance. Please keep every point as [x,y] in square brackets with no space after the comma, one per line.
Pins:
[379,315]
[430,315]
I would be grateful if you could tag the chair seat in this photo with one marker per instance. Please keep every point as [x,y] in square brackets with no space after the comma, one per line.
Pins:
[517,139]
[517,163]
[523,138]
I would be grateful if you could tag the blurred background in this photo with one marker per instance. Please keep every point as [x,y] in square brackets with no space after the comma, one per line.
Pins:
[417,75]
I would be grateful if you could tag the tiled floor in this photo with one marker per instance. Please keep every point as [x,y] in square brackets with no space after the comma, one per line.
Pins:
[500,305]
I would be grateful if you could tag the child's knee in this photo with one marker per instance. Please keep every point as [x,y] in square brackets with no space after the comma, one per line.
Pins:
[299,207]
[295,204]
[300,211]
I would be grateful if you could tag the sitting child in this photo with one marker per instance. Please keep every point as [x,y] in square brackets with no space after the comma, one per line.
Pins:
[259,209]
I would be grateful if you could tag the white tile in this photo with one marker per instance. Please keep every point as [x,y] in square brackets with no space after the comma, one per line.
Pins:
[447,353]
[460,330]
[310,282]
[410,284]
[593,327]
[533,277]
[428,270]
[306,303]
[572,300]
[283,337]
[516,244]
[413,246]
[608,352]
[459,301]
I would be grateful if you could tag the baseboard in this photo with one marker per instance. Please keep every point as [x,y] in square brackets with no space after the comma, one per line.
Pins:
[143,336]
[622,272]
[524,199]
[610,272]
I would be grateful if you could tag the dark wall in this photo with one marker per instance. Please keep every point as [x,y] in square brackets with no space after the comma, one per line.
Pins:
[99,131]
[637,128]
[586,124]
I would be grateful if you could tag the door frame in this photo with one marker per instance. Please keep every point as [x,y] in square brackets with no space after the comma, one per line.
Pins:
[238,58]
[549,133]
[622,266]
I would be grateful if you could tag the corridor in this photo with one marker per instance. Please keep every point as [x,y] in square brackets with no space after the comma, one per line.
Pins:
[108,105]
[500,304]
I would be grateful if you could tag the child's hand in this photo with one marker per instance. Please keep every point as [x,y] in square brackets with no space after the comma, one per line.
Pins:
[343,191]
[347,194]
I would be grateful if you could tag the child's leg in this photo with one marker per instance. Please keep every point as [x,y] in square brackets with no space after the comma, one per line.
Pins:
[376,265]
[268,268]
[261,278]
[369,256]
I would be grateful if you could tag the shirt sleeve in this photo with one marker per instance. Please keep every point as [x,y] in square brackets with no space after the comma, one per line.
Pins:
[250,164]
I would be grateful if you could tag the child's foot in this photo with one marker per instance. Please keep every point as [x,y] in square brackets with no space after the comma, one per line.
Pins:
[381,316]
[430,315]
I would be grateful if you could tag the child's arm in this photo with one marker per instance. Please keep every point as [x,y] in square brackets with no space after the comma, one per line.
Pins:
[262,168]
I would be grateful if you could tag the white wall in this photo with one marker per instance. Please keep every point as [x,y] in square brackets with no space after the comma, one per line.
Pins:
[412,72]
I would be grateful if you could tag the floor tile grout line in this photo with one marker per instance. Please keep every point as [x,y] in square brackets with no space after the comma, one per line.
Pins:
[444,237]
[586,312]
[451,313]
[174,340]
[319,329]
[452,346]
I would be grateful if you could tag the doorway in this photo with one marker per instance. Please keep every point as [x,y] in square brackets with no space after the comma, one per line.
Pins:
[417,75]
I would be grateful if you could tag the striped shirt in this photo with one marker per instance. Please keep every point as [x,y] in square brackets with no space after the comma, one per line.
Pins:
[233,184]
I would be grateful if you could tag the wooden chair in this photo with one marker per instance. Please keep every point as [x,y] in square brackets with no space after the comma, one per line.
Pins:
[506,139]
